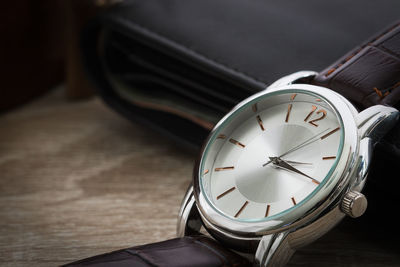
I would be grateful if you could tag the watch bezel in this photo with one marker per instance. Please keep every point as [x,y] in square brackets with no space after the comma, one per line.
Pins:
[326,194]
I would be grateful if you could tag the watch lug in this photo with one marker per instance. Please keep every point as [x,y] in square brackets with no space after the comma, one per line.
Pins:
[363,163]
[292,78]
[376,121]
[189,221]
[273,250]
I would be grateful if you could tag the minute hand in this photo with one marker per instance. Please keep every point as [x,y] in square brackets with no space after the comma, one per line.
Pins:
[305,143]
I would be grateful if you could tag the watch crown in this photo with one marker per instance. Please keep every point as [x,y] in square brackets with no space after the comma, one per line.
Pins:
[354,204]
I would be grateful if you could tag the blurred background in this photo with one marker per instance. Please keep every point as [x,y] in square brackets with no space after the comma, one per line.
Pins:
[75,178]
[42,33]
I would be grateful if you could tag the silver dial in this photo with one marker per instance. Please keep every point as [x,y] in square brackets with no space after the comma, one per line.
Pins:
[271,155]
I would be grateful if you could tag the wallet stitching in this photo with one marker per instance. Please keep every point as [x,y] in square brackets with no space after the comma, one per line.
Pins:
[201,55]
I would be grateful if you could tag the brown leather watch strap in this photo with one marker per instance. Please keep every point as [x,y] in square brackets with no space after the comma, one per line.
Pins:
[179,252]
[369,74]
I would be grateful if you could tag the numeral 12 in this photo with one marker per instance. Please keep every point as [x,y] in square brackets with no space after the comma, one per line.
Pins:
[320,111]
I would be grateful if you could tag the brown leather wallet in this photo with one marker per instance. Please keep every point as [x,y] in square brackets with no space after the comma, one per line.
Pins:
[179,66]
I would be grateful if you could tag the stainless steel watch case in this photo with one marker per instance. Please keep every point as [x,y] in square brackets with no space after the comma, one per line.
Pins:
[272,242]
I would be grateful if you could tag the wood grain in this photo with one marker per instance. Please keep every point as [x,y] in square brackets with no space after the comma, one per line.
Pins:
[77,180]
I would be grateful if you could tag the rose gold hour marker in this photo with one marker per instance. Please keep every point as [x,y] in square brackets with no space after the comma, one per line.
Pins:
[260,122]
[331,157]
[331,132]
[293,97]
[267,210]
[294,201]
[318,100]
[224,168]
[254,107]
[315,181]
[235,142]
[241,209]
[205,172]
[226,192]
[221,136]
[288,112]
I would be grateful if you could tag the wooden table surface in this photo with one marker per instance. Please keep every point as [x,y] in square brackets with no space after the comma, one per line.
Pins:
[77,180]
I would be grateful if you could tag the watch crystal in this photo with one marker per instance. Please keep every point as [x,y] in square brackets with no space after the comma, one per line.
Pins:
[271,155]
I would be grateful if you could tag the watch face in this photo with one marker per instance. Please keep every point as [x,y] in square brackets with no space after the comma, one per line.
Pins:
[271,155]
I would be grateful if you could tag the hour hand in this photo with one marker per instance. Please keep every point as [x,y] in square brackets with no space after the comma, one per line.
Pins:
[286,166]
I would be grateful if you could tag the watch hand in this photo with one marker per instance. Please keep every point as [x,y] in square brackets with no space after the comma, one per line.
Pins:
[297,162]
[293,162]
[303,144]
[286,166]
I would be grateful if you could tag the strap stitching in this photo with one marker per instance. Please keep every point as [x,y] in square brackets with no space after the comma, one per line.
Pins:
[387,90]
[382,93]
[333,69]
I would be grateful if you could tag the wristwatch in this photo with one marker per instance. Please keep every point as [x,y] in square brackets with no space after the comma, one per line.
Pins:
[284,166]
